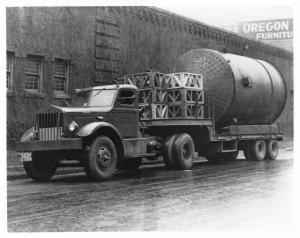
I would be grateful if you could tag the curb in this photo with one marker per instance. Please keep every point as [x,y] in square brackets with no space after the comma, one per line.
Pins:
[17,172]
[23,175]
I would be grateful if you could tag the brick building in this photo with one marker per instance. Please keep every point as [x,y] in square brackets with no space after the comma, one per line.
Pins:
[51,51]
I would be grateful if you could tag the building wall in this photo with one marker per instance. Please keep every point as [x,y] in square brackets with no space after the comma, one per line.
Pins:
[51,33]
[102,43]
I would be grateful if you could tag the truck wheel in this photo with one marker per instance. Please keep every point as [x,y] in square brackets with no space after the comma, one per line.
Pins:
[168,151]
[255,150]
[184,151]
[102,159]
[129,164]
[41,168]
[272,149]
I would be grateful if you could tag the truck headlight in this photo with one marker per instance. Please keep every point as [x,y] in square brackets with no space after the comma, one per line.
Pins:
[73,126]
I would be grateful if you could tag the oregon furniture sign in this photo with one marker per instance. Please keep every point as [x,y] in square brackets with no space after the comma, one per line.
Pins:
[278,29]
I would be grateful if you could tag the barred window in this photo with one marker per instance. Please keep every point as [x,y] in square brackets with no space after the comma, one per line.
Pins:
[9,71]
[60,79]
[33,73]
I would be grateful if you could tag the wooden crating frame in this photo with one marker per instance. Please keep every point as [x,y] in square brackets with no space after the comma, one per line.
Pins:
[153,111]
[185,111]
[144,80]
[168,96]
[185,95]
[183,79]
[152,95]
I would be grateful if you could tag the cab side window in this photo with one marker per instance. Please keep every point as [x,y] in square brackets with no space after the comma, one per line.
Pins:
[126,97]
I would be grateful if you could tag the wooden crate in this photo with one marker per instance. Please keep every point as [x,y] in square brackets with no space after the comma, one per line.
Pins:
[144,80]
[161,80]
[153,111]
[152,95]
[185,95]
[185,111]
[183,79]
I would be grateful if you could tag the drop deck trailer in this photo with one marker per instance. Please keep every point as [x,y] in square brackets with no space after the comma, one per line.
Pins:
[109,131]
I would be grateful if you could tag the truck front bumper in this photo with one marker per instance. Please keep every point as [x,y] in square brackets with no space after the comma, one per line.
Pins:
[62,144]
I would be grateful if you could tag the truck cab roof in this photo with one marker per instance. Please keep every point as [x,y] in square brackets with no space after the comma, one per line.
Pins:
[108,87]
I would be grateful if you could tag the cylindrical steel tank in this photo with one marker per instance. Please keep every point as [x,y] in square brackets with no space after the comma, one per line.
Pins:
[240,90]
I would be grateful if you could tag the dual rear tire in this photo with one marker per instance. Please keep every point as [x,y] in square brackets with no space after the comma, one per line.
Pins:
[179,151]
[261,150]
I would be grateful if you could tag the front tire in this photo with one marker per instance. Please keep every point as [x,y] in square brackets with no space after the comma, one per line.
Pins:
[41,168]
[102,159]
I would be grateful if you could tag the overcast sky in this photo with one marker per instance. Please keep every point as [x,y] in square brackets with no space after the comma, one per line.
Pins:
[220,16]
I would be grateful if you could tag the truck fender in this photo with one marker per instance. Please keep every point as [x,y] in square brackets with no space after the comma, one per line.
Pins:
[92,127]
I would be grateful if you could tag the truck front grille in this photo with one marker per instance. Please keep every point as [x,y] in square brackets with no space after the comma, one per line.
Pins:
[49,125]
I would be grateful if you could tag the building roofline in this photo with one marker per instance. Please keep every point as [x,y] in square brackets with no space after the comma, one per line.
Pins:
[166,12]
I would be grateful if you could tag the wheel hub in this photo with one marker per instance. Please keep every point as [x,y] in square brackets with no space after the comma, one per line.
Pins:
[104,158]
[186,152]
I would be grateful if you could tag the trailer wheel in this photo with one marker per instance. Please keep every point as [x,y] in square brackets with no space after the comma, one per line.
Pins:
[129,164]
[101,160]
[184,151]
[168,151]
[272,149]
[41,168]
[255,150]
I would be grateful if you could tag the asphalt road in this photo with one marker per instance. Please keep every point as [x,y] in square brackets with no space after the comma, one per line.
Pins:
[233,196]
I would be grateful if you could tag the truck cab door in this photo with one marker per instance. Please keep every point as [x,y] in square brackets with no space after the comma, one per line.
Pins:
[126,114]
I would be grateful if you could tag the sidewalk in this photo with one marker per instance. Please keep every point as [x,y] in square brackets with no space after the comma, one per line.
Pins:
[15,168]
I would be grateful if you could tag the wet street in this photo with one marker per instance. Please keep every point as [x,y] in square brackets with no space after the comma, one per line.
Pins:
[233,196]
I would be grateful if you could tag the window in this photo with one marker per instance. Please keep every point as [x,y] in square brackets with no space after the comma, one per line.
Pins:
[9,71]
[126,97]
[33,73]
[61,76]
[102,98]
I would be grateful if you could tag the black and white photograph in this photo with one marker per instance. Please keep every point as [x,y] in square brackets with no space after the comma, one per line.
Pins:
[148,116]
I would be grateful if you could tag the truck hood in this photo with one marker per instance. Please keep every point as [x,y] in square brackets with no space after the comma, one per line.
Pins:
[82,109]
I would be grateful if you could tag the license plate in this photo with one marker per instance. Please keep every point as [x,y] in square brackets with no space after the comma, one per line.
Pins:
[26,157]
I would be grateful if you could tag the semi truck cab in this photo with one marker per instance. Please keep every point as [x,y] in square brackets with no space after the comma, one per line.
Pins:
[100,129]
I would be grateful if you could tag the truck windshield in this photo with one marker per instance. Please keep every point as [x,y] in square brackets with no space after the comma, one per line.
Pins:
[81,99]
[102,98]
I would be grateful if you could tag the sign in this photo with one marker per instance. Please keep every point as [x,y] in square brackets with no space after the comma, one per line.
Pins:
[278,29]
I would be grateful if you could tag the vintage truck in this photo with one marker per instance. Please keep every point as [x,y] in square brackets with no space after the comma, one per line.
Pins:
[225,103]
